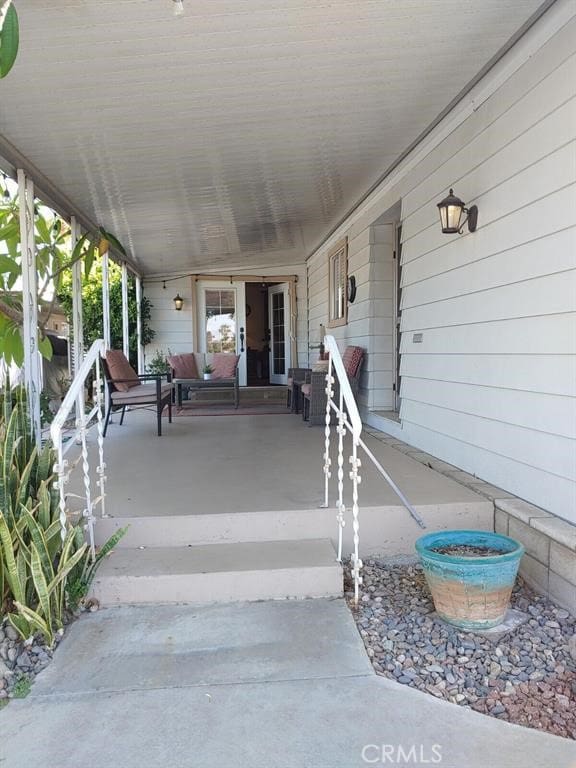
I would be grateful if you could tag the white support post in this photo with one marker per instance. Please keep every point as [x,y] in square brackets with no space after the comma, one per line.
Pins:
[77,321]
[32,361]
[125,330]
[139,324]
[106,299]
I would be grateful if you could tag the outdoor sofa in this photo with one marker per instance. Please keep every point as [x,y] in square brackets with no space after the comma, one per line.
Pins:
[186,370]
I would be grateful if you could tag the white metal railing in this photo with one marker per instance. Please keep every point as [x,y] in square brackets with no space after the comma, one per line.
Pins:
[349,421]
[77,435]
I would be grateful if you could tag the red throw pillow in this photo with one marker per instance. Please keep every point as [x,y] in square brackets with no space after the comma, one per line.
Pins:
[224,365]
[184,366]
[352,358]
[120,368]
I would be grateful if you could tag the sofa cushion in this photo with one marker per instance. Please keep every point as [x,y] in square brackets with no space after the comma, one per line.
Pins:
[120,368]
[184,366]
[142,394]
[352,359]
[224,365]
[306,389]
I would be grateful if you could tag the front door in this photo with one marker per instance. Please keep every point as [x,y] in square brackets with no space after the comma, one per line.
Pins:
[279,324]
[222,320]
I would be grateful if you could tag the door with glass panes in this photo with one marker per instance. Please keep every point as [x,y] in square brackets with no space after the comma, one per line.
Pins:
[222,320]
[279,324]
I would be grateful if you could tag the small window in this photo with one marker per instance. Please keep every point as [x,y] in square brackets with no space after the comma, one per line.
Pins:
[337,276]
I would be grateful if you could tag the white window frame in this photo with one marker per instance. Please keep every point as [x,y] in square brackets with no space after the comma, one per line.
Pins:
[337,284]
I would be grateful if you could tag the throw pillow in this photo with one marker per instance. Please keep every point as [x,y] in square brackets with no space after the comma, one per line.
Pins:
[184,366]
[120,368]
[224,365]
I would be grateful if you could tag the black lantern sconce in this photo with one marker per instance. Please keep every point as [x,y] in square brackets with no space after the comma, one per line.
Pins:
[451,210]
[178,302]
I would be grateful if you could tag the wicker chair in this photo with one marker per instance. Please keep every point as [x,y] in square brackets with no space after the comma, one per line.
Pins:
[295,377]
[314,388]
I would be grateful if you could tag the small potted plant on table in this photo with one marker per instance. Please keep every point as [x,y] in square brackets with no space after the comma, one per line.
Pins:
[207,371]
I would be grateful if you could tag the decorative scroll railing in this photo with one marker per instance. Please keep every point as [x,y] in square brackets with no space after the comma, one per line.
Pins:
[348,421]
[65,437]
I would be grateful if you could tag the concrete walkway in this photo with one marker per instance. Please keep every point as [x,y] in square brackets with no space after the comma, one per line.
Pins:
[254,685]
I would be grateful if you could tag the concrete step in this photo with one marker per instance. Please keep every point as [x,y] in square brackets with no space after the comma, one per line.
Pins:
[220,573]
[218,528]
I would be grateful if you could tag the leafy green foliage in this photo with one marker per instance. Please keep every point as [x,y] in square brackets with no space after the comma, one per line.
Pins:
[22,687]
[53,260]
[9,40]
[159,363]
[34,560]
[82,576]
[92,308]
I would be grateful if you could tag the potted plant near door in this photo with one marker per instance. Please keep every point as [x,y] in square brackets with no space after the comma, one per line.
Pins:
[207,371]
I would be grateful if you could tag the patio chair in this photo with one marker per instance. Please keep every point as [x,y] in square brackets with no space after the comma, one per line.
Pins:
[296,377]
[314,389]
[128,388]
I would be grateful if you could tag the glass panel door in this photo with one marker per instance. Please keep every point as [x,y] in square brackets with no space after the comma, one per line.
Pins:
[279,319]
[222,320]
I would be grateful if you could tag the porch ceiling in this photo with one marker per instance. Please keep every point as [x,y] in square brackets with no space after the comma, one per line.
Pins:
[238,134]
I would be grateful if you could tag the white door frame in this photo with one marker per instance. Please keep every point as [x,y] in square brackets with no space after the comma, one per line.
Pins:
[283,288]
[239,287]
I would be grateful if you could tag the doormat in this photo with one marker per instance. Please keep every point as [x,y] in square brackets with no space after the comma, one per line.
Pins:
[266,409]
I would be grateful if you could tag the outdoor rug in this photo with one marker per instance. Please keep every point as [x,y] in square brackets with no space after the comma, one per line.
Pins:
[250,409]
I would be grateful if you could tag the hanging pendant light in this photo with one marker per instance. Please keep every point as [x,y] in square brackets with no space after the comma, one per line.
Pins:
[178,302]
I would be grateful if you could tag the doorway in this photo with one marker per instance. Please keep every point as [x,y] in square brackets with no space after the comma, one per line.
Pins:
[222,317]
[267,333]
[257,335]
[251,318]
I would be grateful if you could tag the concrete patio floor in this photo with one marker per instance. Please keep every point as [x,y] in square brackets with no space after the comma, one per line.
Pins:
[260,685]
[223,464]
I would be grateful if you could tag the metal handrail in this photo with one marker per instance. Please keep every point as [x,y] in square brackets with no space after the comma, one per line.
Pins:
[74,400]
[349,420]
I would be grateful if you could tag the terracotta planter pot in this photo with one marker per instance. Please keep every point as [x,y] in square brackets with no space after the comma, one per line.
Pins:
[470,592]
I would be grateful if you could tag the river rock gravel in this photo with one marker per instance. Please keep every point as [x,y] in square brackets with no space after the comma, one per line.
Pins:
[527,676]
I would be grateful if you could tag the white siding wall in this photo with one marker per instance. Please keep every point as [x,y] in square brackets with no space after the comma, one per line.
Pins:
[370,317]
[492,386]
[175,330]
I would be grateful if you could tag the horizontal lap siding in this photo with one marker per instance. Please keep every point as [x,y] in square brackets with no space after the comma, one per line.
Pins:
[494,372]
[491,387]
[173,330]
[369,317]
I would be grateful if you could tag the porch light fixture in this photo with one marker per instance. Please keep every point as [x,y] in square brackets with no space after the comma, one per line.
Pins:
[451,210]
[178,7]
[178,302]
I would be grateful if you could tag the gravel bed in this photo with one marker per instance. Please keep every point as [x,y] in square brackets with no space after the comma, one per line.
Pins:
[20,661]
[527,676]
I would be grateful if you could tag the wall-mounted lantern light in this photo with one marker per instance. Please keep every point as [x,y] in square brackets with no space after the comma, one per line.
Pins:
[451,210]
[178,302]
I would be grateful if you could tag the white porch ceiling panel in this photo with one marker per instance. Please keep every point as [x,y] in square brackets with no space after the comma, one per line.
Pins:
[238,134]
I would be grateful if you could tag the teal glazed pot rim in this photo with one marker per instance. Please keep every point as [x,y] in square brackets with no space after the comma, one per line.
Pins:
[511,549]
